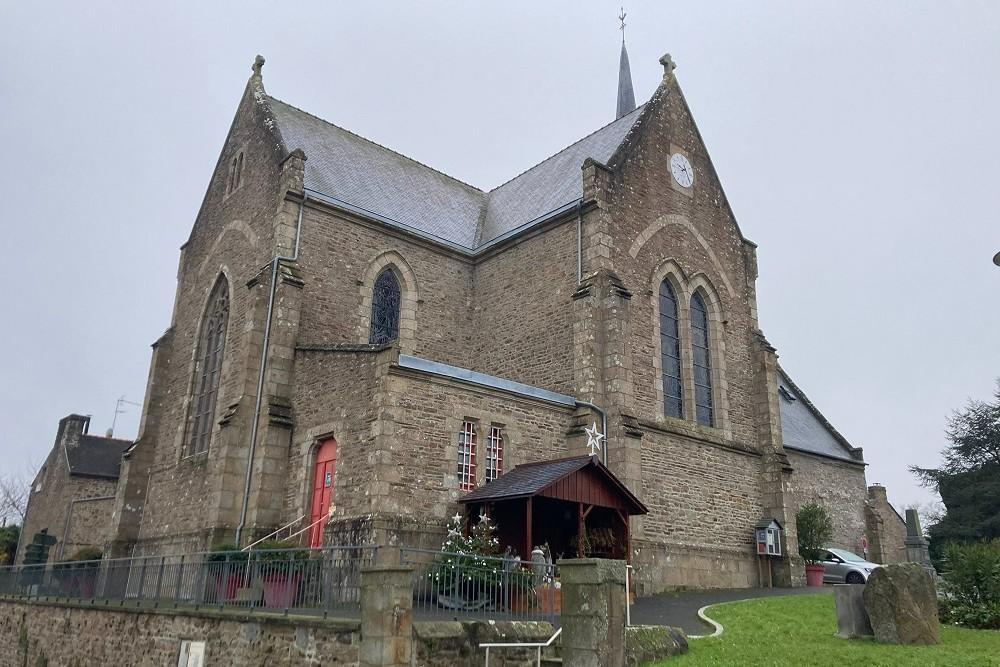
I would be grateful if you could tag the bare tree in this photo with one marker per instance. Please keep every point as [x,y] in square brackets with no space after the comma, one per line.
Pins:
[14,492]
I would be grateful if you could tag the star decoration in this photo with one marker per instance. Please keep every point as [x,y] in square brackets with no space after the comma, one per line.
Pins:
[457,518]
[594,438]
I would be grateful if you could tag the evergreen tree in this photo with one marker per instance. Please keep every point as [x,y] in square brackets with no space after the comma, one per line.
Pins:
[969,480]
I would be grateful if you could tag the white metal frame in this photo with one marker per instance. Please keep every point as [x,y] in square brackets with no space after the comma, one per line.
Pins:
[536,645]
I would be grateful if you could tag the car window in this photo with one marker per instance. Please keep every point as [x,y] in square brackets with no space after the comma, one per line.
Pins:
[848,555]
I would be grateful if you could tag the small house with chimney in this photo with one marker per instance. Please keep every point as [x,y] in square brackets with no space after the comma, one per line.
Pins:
[73,494]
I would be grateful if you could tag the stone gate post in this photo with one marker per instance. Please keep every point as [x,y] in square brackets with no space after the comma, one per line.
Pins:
[386,616]
[593,612]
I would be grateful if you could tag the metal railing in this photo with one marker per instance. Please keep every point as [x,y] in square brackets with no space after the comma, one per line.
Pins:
[538,646]
[462,586]
[317,581]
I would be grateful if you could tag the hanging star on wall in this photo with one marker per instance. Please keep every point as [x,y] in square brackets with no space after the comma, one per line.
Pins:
[594,438]
[457,517]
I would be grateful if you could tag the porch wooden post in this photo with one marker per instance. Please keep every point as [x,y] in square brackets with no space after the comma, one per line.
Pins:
[527,533]
[579,531]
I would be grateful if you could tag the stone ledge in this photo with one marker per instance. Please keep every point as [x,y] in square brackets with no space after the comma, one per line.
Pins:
[336,624]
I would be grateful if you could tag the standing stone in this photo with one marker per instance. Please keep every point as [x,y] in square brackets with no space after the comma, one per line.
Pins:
[593,612]
[901,601]
[852,618]
[386,617]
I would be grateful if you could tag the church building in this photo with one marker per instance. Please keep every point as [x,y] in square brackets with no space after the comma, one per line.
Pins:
[359,341]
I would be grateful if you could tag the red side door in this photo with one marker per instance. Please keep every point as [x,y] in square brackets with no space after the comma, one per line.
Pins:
[322,495]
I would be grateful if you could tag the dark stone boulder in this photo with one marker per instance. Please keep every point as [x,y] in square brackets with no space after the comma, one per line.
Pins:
[651,643]
[901,602]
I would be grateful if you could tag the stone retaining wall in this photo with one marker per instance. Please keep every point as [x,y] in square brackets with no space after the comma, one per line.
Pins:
[40,633]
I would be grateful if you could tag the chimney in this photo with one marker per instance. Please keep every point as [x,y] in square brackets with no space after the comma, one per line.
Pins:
[71,427]
[877,492]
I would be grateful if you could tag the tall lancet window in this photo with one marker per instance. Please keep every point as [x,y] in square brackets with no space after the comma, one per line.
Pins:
[385,308]
[702,361]
[670,352]
[211,348]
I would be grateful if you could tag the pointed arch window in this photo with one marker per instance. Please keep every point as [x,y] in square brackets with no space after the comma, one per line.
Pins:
[235,173]
[670,352]
[211,349]
[386,298]
[702,359]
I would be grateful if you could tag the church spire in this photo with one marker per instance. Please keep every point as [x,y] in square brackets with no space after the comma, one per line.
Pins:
[626,98]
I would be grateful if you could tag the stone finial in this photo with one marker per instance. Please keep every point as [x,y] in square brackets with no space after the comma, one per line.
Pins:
[258,64]
[668,64]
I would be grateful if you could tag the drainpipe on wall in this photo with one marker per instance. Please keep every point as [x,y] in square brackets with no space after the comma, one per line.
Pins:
[275,264]
[604,426]
[579,242]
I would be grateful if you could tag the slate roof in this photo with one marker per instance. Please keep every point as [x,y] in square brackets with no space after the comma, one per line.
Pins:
[804,428]
[97,457]
[530,479]
[358,172]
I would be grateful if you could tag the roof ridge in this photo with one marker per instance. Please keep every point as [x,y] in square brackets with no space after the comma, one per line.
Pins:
[566,148]
[375,143]
[105,438]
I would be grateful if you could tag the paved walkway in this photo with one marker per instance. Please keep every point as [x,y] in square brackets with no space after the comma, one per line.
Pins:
[681,609]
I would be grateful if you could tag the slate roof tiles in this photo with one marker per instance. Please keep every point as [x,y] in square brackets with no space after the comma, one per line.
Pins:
[364,175]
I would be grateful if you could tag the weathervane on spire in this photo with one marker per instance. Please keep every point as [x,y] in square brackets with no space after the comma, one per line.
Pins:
[621,17]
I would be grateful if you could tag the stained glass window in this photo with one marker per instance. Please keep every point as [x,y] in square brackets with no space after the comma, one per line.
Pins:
[702,361]
[467,457]
[385,309]
[494,454]
[670,352]
[211,348]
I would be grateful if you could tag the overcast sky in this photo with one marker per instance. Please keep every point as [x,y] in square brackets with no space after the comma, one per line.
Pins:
[858,143]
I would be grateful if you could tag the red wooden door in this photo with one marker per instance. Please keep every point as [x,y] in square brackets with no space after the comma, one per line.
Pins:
[322,496]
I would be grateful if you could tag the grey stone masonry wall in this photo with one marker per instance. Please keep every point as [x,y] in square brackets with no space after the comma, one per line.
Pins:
[837,486]
[39,633]
[593,612]
[886,530]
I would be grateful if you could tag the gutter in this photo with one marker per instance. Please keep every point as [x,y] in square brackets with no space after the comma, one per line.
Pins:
[275,264]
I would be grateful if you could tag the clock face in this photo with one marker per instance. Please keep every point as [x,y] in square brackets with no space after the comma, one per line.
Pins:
[682,170]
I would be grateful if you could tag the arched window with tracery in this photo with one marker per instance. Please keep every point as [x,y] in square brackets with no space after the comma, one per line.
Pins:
[386,298]
[702,359]
[208,368]
[670,352]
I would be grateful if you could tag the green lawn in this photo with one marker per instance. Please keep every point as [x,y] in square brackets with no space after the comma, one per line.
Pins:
[800,630]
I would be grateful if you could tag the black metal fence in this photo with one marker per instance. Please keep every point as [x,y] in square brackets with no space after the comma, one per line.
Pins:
[322,581]
[463,586]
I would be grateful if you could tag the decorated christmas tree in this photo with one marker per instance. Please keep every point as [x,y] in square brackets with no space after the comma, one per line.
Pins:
[469,566]
[482,540]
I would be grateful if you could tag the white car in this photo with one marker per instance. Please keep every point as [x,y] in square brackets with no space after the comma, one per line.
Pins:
[844,567]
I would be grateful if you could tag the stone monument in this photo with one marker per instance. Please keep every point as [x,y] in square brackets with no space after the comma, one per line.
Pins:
[916,543]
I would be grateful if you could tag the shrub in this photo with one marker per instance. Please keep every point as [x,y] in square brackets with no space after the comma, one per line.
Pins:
[87,553]
[227,553]
[972,584]
[814,528]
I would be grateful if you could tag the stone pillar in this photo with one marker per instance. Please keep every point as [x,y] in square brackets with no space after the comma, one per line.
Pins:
[916,543]
[775,469]
[852,617]
[593,612]
[386,617]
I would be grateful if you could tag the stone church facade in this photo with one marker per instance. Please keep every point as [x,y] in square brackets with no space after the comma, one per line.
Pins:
[359,335]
